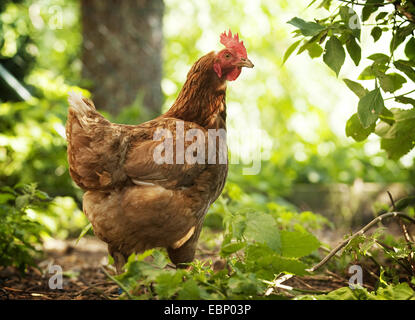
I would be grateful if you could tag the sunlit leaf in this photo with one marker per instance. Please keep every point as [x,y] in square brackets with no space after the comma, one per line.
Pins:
[367,74]
[306,28]
[262,228]
[232,248]
[369,107]
[355,129]
[391,82]
[410,49]
[356,87]
[379,58]
[399,138]
[405,100]
[406,67]
[370,7]
[354,50]
[297,244]
[290,50]
[334,56]
[376,33]
[314,50]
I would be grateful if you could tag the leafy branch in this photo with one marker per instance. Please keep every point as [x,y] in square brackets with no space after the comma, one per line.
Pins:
[340,34]
[358,233]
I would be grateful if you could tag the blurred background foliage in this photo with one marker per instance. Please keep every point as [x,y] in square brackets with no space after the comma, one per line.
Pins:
[309,163]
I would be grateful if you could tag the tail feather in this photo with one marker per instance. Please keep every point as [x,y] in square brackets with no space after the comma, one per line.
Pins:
[79,103]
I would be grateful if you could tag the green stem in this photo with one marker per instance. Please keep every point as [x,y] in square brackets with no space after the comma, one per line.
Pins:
[401,95]
[124,288]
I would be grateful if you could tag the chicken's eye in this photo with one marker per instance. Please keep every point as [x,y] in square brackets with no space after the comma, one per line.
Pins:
[227,55]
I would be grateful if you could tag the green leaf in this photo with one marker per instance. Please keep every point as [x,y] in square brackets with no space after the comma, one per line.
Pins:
[288,265]
[356,87]
[367,74]
[391,82]
[42,195]
[314,50]
[266,263]
[290,50]
[401,291]
[354,50]
[325,4]
[334,56]
[246,284]
[311,3]
[83,232]
[344,293]
[406,67]
[5,197]
[309,43]
[192,291]
[369,8]
[232,247]
[159,260]
[405,100]
[22,201]
[402,115]
[262,228]
[381,16]
[379,58]
[410,49]
[405,202]
[369,107]
[376,33]
[297,244]
[168,283]
[355,129]
[382,129]
[399,138]
[306,28]
[400,36]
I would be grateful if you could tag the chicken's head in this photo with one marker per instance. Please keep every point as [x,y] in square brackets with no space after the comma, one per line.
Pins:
[229,61]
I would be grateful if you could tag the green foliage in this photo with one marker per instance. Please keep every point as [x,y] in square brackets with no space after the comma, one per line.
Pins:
[355,129]
[258,248]
[342,28]
[33,147]
[20,236]
[306,28]
[254,250]
[334,54]
[369,108]
[398,138]
[32,133]
[400,291]
[388,259]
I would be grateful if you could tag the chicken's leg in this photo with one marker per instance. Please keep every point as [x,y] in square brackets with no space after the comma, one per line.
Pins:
[119,259]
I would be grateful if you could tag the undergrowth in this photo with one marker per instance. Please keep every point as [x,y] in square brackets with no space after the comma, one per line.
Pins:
[259,248]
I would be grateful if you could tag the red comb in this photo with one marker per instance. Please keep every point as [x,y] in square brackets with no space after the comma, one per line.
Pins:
[233,43]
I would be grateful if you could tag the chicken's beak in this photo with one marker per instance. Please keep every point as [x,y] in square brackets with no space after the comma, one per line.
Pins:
[245,62]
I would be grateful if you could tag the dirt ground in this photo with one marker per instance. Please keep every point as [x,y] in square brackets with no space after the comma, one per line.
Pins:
[83,278]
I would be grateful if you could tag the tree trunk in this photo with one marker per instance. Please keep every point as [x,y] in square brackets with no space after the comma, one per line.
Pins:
[122,42]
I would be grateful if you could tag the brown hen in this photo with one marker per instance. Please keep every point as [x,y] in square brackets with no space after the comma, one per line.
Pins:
[135,198]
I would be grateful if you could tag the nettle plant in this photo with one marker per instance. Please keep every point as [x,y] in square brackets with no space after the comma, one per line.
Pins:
[20,236]
[340,34]
[257,248]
